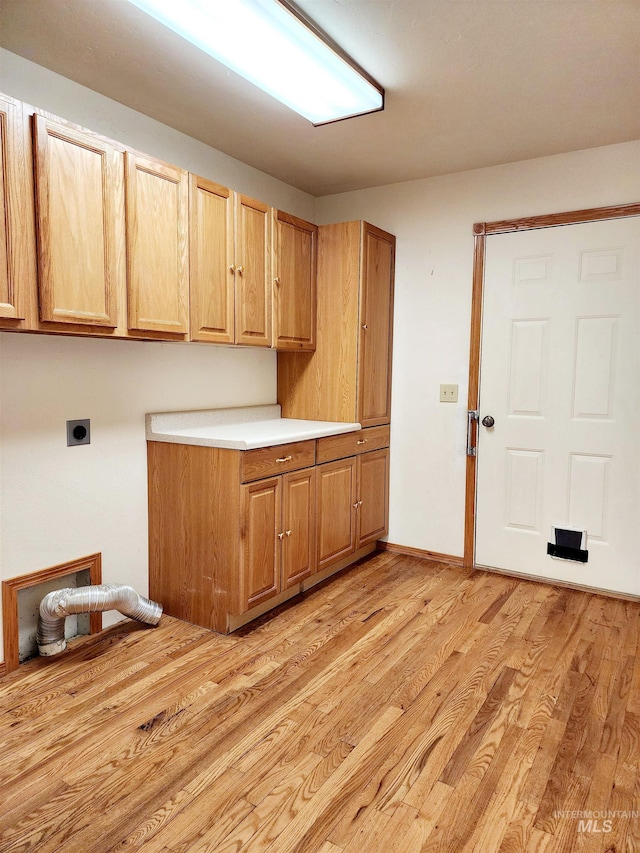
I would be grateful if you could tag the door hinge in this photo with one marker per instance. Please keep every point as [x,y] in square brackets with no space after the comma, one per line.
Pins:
[472,415]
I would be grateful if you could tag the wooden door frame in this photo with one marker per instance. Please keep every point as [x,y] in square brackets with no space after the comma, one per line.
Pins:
[480,231]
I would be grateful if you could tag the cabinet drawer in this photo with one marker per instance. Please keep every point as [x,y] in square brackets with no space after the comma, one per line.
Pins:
[352,443]
[278,459]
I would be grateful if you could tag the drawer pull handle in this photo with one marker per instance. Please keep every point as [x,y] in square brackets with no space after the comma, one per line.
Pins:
[362,441]
[285,459]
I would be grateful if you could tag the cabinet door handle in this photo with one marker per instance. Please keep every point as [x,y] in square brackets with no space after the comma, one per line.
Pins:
[287,533]
[240,270]
[356,505]
[232,268]
[285,459]
[364,326]
[277,279]
[280,536]
[361,441]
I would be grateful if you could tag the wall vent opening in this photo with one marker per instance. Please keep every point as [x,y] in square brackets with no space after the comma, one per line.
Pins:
[21,598]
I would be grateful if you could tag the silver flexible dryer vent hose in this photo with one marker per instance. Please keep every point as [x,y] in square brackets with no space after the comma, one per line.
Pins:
[57,605]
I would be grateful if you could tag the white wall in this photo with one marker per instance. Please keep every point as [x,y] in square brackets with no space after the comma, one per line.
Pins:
[433,221]
[59,503]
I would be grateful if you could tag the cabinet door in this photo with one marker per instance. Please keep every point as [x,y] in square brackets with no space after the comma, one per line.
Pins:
[211,262]
[261,546]
[17,270]
[298,526]
[252,272]
[335,499]
[80,208]
[373,496]
[295,277]
[376,316]
[157,258]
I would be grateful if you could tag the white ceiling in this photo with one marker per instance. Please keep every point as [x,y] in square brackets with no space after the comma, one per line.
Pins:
[469,83]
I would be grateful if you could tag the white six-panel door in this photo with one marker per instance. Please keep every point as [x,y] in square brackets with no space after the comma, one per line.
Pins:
[560,374]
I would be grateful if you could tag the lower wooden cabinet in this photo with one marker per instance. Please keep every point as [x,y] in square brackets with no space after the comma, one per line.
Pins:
[352,500]
[277,527]
[229,537]
[261,552]
[336,496]
[297,534]
[372,512]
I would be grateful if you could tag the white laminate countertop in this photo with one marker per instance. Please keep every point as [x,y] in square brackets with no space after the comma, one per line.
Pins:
[238,429]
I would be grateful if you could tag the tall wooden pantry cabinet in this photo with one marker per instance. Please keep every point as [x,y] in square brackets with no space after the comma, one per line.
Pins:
[348,378]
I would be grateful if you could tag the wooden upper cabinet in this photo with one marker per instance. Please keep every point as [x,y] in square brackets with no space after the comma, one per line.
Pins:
[211,262]
[376,327]
[157,204]
[348,377]
[252,270]
[295,282]
[17,254]
[80,224]
[230,266]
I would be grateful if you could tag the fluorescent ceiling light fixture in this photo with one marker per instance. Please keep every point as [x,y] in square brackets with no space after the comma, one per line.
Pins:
[272,44]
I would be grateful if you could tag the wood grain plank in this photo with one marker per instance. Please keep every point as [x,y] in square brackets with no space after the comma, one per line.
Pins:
[471,799]
[467,747]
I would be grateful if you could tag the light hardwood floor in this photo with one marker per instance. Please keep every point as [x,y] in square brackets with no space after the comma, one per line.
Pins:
[403,706]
